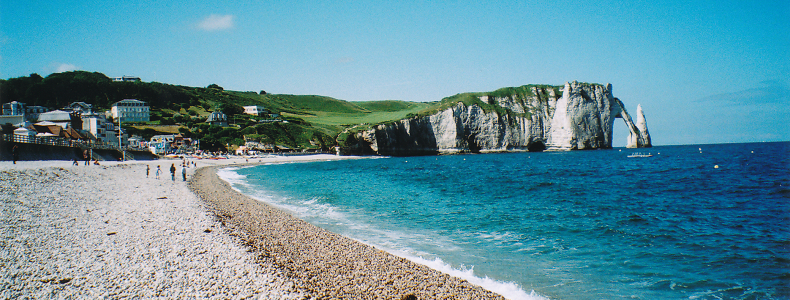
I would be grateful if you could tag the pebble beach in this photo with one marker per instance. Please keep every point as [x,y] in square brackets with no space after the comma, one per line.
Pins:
[110,231]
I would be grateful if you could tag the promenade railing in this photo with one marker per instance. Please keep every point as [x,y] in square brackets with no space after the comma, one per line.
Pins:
[64,142]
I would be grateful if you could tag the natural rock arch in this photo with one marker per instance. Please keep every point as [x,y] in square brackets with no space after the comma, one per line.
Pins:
[638,136]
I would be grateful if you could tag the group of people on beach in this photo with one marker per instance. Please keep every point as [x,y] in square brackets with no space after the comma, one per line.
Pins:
[87,155]
[184,165]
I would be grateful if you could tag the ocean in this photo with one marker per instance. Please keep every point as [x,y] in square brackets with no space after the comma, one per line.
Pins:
[692,221]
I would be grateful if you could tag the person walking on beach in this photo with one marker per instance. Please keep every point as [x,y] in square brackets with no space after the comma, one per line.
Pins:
[147,170]
[15,152]
[86,157]
[158,171]
[184,172]
[173,172]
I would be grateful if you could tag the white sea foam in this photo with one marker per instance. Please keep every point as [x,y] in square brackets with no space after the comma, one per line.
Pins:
[508,290]
[315,211]
[231,176]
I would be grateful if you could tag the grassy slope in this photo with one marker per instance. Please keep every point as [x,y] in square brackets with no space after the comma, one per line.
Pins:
[314,115]
[520,93]
[322,119]
[331,116]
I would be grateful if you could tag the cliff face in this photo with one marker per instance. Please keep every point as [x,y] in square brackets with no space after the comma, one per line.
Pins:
[584,118]
[581,119]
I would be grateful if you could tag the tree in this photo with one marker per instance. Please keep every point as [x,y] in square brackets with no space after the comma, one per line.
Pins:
[185,132]
[215,86]
[231,109]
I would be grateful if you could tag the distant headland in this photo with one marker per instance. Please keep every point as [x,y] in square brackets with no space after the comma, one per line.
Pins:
[211,119]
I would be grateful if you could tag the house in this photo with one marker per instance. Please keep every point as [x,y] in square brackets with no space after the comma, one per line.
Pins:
[242,150]
[81,107]
[137,142]
[29,132]
[131,110]
[58,117]
[74,134]
[13,120]
[217,118]
[168,138]
[126,79]
[161,144]
[30,113]
[100,128]
[255,110]
[46,128]
[14,108]
[179,141]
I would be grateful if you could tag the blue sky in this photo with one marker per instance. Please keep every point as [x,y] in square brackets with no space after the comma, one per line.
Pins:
[704,71]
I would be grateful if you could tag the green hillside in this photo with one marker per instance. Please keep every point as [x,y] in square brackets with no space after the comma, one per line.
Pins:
[313,122]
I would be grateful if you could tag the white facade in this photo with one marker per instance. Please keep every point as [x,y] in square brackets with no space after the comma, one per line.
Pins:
[14,108]
[24,131]
[131,110]
[59,117]
[98,126]
[126,78]
[30,113]
[255,110]
[160,144]
[13,120]
[81,107]
[137,142]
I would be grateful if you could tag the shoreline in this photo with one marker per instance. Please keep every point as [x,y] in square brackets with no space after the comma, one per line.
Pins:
[108,230]
[322,263]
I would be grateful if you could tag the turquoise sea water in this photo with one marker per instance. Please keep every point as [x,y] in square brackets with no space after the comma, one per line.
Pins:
[686,223]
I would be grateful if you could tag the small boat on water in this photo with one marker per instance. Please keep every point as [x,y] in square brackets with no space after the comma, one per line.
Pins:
[639,154]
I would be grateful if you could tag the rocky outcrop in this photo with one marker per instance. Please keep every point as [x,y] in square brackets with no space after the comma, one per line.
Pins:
[641,125]
[534,119]
[638,136]
[584,118]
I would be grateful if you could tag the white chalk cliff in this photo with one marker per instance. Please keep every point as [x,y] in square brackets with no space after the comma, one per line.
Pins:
[534,119]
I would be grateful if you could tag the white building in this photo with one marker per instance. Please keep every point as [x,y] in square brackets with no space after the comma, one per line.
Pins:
[81,107]
[126,78]
[59,117]
[14,108]
[13,120]
[255,110]
[131,110]
[137,142]
[217,118]
[98,126]
[30,113]
[25,132]
[161,144]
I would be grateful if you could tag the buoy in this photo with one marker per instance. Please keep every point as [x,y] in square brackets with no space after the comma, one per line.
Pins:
[716,166]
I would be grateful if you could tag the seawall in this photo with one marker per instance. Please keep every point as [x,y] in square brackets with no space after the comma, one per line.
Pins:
[29,152]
